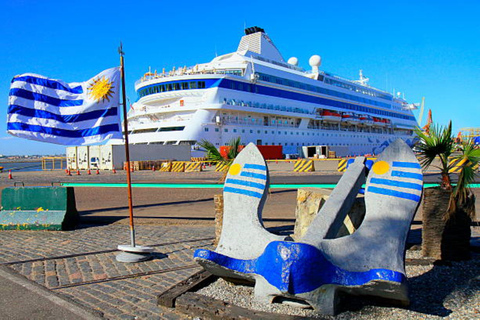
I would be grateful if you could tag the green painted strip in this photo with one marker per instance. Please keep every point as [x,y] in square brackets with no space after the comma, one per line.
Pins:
[211,186]
[187,186]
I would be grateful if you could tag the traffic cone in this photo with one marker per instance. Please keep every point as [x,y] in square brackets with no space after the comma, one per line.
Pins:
[66,171]
[114,171]
[10,174]
[69,173]
[78,172]
[153,168]
[89,172]
[98,171]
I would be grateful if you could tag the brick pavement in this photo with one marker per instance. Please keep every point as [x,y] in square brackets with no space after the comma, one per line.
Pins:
[81,265]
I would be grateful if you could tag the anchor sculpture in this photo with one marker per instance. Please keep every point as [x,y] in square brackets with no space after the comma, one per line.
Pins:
[321,265]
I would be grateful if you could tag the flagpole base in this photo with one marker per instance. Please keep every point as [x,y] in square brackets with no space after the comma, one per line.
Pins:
[132,254]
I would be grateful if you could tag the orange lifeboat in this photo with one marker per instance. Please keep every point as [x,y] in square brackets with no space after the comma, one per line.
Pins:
[331,116]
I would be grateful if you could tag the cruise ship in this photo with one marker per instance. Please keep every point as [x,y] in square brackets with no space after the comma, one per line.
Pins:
[255,94]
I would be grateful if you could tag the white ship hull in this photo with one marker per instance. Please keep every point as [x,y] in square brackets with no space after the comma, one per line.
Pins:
[240,95]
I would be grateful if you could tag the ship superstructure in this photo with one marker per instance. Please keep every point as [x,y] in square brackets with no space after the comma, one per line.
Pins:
[257,95]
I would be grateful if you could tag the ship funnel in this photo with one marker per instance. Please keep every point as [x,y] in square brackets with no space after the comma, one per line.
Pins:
[256,40]
[315,62]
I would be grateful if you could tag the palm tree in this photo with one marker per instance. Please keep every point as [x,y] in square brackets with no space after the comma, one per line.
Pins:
[448,210]
[437,142]
[214,155]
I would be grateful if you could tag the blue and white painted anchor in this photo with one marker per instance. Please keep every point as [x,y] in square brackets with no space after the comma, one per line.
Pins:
[319,266]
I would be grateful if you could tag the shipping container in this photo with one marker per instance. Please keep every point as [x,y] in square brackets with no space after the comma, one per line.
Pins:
[319,152]
[94,157]
[71,158]
[268,152]
[82,157]
[107,157]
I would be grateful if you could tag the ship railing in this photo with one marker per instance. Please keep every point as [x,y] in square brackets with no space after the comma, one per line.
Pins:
[182,72]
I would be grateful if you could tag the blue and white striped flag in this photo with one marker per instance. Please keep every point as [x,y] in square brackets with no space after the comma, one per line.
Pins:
[53,111]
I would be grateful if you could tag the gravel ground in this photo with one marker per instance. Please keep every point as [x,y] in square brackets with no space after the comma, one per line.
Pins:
[449,291]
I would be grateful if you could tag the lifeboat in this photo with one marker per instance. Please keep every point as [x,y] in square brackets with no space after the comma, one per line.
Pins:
[350,118]
[331,116]
[387,122]
[366,120]
[378,122]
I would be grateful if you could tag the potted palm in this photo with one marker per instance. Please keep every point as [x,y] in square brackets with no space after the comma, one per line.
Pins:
[448,209]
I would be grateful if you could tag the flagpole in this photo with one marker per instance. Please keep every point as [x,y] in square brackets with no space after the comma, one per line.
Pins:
[127,151]
[132,253]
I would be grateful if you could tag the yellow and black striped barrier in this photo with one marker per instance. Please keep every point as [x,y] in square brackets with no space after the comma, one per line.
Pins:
[342,165]
[166,167]
[304,166]
[197,159]
[178,166]
[193,166]
[221,167]
[457,165]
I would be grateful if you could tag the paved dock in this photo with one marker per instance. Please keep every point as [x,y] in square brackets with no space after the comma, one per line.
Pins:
[81,266]
[74,274]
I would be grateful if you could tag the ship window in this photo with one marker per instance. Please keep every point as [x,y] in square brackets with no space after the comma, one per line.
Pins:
[251,131]
[184,85]
[234,130]
[225,130]
[144,130]
[201,84]
[243,130]
[216,130]
[206,129]
[172,128]
[193,85]
[176,86]
[169,87]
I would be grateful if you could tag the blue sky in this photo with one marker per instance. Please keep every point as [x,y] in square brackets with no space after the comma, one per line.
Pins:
[420,48]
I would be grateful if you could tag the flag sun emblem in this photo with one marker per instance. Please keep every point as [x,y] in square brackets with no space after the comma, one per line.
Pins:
[101,89]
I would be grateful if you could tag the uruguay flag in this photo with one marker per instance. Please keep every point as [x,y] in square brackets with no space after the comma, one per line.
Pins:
[79,113]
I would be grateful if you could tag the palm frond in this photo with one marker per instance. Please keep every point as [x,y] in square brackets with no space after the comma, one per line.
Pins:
[212,152]
[234,148]
[437,143]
